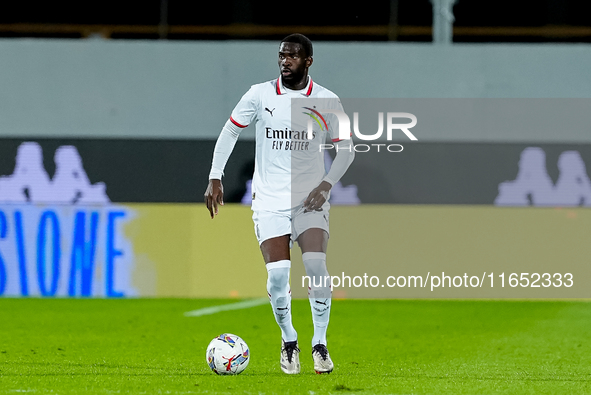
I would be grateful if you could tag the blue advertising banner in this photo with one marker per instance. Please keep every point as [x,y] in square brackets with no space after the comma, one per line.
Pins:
[65,251]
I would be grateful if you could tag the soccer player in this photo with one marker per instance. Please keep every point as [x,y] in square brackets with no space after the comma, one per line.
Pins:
[282,214]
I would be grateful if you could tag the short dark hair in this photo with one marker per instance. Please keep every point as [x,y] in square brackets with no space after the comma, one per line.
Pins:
[302,40]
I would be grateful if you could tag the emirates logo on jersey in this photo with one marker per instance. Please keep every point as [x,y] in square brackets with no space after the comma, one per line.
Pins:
[288,140]
[287,134]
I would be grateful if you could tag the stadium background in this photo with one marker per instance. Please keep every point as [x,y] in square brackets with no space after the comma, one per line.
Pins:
[113,279]
[142,97]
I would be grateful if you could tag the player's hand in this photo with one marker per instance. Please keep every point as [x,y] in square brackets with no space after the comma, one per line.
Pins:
[317,197]
[214,196]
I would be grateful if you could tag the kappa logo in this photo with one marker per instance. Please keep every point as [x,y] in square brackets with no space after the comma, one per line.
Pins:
[270,111]
[534,187]
[30,183]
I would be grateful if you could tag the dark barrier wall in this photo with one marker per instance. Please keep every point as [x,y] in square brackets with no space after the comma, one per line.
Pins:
[144,170]
[176,171]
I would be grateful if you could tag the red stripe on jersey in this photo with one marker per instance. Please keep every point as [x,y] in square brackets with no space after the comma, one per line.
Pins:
[277,87]
[310,88]
[237,124]
[337,140]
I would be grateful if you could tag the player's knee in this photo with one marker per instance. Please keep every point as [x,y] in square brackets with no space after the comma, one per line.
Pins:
[278,278]
[315,264]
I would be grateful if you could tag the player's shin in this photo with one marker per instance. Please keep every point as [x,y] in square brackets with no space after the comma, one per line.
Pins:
[320,293]
[280,296]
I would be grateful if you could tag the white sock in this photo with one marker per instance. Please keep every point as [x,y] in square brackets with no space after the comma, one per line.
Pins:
[280,296]
[319,294]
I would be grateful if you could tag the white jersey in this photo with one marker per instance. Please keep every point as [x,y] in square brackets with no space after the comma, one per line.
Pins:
[288,165]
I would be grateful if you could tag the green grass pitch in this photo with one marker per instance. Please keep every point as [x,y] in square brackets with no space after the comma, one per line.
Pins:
[379,346]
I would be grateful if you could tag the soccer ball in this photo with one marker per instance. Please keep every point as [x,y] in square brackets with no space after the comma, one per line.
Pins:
[227,354]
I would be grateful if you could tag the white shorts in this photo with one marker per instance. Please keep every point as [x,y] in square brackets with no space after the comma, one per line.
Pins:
[294,222]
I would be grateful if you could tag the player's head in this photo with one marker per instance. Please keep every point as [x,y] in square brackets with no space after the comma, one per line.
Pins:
[304,42]
[295,57]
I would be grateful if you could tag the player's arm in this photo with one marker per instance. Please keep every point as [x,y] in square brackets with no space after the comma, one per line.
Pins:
[214,194]
[344,158]
[242,115]
[342,161]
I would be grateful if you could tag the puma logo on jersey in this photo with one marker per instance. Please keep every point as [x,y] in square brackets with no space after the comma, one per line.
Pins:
[270,111]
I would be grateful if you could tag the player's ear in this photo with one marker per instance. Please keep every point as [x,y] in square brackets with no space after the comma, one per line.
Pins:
[309,61]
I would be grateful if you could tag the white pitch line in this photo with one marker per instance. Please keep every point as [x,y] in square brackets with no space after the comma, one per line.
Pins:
[225,307]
